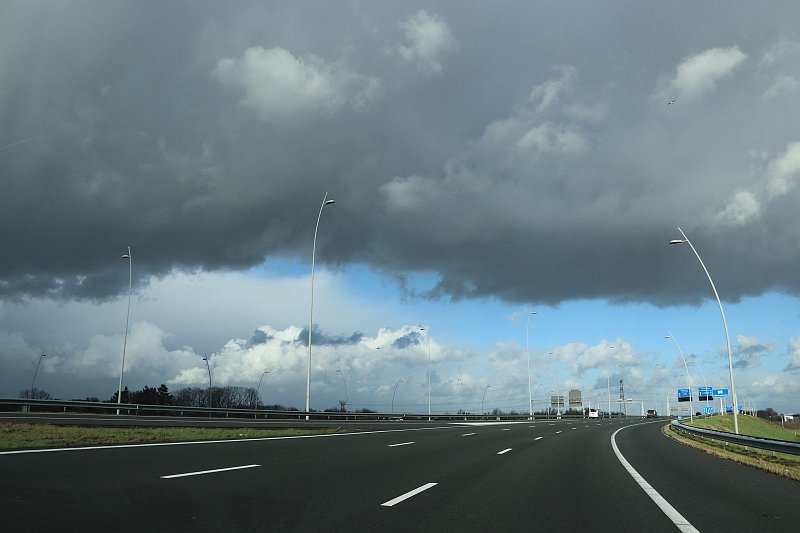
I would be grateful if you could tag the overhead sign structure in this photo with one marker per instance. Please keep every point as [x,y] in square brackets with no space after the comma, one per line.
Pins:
[684,395]
[719,393]
[704,394]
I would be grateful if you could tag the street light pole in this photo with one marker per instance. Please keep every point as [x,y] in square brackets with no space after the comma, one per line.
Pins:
[484,398]
[428,337]
[724,324]
[208,367]
[259,388]
[325,202]
[33,383]
[129,257]
[346,396]
[688,381]
[399,381]
[530,393]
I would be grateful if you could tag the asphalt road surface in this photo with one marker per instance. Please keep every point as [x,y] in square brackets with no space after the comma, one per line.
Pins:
[525,476]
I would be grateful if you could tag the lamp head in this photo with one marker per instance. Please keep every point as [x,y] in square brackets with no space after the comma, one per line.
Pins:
[329,202]
[676,241]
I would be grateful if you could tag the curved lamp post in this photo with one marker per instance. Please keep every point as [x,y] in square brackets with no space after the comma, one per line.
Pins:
[688,381]
[325,202]
[208,367]
[484,398]
[259,387]
[705,383]
[530,393]
[399,381]
[346,396]
[129,257]
[428,337]
[33,383]
[724,324]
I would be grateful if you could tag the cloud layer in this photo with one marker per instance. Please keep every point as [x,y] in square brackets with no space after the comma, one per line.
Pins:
[524,173]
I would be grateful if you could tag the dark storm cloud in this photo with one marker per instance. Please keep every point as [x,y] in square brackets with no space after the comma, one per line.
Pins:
[513,162]
[410,339]
[260,337]
[321,339]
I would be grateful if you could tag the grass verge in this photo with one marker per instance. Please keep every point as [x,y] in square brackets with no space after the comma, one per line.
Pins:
[782,464]
[35,436]
[748,425]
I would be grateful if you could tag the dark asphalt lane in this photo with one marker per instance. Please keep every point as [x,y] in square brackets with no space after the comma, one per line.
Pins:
[714,494]
[509,477]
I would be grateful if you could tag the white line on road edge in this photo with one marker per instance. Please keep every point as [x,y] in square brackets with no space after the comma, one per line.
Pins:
[504,451]
[538,438]
[676,517]
[200,473]
[400,444]
[408,495]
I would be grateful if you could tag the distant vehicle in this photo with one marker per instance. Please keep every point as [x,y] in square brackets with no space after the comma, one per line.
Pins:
[594,413]
[651,413]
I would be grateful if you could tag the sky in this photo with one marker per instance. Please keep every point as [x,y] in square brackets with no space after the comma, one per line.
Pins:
[486,163]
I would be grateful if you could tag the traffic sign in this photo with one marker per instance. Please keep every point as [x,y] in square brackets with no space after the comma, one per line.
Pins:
[720,393]
[708,410]
[684,395]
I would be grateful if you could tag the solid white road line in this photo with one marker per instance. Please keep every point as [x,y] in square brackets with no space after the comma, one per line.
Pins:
[408,495]
[400,444]
[200,473]
[504,451]
[676,517]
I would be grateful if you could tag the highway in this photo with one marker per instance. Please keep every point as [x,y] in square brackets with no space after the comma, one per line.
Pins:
[526,476]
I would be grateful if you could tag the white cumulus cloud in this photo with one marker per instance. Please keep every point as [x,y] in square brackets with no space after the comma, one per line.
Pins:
[428,39]
[742,208]
[699,74]
[278,84]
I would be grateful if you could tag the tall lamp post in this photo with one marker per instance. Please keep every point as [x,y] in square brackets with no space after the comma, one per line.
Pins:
[325,202]
[484,398]
[129,257]
[259,387]
[208,367]
[530,393]
[399,381]
[346,396]
[688,381]
[33,383]
[724,324]
[428,337]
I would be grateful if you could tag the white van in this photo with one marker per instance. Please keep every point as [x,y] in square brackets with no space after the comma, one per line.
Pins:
[593,413]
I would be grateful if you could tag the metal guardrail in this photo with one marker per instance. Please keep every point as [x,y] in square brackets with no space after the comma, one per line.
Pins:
[180,410]
[781,446]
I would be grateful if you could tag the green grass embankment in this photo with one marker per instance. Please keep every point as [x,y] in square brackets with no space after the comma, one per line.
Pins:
[34,436]
[782,464]
[748,425]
